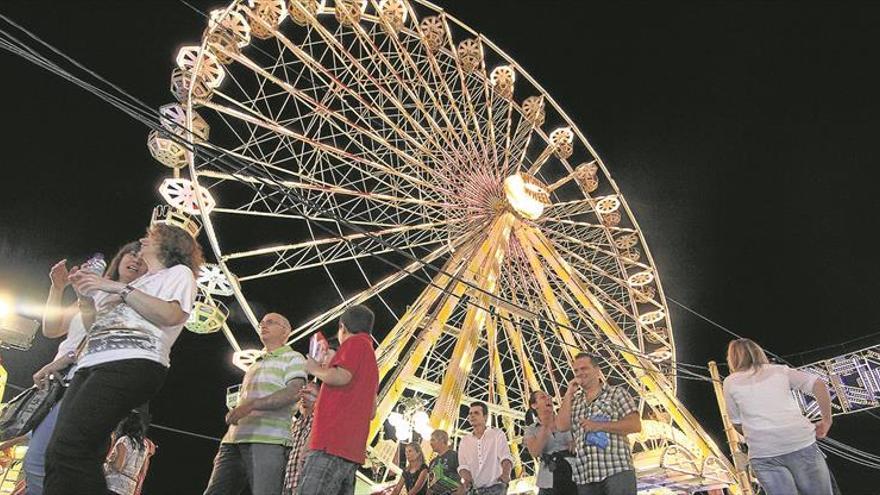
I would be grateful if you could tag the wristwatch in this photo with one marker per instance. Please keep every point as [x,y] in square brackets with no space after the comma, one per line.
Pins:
[125,292]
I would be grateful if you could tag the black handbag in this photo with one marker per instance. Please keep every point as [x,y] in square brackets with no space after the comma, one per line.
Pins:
[28,409]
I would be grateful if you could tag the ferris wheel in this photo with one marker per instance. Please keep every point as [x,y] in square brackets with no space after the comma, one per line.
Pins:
[401,154]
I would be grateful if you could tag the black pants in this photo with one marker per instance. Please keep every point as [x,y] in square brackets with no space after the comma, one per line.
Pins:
[562,472]
[98,398]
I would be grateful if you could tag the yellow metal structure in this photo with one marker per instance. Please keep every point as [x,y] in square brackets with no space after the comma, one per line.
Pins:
[734,440]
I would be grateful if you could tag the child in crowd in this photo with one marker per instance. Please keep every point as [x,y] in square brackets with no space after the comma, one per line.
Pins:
[129,458]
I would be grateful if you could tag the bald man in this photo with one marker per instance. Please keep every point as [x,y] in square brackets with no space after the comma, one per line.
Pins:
[254,450]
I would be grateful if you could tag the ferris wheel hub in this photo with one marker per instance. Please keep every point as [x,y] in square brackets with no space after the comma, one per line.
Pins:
[526,195]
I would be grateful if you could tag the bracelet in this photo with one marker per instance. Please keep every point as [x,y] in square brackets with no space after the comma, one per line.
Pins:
[125,292]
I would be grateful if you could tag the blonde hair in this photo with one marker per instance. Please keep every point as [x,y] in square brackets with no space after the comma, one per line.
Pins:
[745,355]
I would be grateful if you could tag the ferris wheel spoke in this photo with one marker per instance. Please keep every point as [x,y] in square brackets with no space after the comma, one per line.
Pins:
[444,53]
[305,329]
[549,302]
[515,152]
[601,263]
[278,187]
[565,223]
[346,64]
[372,209]
[314,255]
[323,110]
[253,117]
[448,114]
[618,300]
[573,208]
[297,158]
[437,59]
[290,216]
[408,84]
[387,235]
[590,253]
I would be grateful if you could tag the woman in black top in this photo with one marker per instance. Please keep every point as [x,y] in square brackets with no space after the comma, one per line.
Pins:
[415,476]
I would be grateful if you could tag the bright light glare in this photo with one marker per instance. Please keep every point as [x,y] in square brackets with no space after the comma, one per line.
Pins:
[5,307]
[520,196]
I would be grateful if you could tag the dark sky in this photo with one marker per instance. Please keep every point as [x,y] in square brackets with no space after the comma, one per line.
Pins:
[743,135]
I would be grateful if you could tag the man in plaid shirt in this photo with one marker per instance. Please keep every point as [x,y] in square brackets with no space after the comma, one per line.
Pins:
[600,417]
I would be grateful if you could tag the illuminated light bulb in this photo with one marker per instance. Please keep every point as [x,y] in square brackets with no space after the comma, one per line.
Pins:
[424,431]
[420,418]
[403,432]
[396,419]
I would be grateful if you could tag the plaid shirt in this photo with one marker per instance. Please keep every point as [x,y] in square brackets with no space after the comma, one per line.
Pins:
[299,436]
[592,463]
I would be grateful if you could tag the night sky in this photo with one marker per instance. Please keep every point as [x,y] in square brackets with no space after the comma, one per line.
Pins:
[742,134]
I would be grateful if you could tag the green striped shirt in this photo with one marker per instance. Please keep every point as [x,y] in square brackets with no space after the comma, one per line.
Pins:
[271,373]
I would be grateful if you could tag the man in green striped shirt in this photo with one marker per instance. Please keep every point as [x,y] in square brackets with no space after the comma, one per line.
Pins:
[255,447]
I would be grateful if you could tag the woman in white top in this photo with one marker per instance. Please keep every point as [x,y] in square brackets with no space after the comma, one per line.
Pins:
[129,458]
[125,356]
[782,442]
[125,267]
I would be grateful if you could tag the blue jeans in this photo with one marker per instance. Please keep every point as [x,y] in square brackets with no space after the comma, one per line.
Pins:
[801,472]
[326,474]
[259,466]
[35,458]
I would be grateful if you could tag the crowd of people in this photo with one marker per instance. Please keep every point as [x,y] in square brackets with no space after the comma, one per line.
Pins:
[301,423]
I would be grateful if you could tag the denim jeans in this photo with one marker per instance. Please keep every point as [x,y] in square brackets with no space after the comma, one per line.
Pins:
[326,474]
[622,483]
[98,398]
[801,472]
[258,466]
[35,458]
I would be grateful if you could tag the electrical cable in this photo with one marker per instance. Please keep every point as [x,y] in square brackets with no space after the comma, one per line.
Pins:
[19,388]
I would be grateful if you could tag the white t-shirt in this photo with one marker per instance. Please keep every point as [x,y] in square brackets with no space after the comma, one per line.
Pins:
[763,404]
[482,456]
[75,333]
[120,332]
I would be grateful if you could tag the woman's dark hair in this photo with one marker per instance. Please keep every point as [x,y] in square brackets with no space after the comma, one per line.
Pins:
[112,271]
[531,417]
[135,426]
[532,413]
[177,247]
[533,398]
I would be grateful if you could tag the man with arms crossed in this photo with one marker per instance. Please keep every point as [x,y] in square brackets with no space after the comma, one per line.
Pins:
[346,404]
[254,449]
[484,460]
[602,466]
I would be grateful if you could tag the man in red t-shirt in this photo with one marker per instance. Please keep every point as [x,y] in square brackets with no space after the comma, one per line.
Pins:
[346,405]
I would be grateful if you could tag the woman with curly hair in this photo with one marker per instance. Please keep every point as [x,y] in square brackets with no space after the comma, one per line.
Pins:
[124,357]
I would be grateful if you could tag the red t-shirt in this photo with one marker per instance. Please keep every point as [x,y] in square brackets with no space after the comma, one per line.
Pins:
[343,414]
